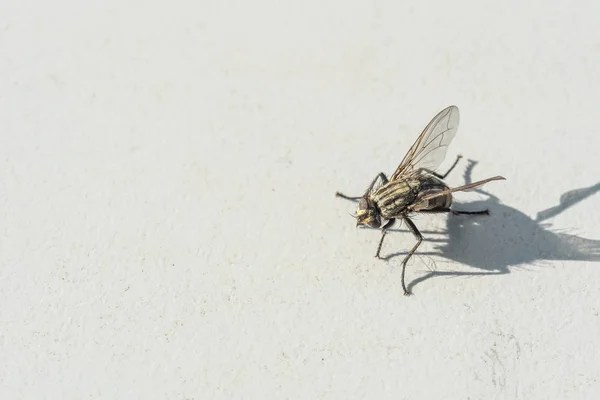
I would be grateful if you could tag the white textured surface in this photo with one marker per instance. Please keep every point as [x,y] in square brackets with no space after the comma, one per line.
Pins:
[167,221]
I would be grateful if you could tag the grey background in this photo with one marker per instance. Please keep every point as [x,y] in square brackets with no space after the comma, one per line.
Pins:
[168,225]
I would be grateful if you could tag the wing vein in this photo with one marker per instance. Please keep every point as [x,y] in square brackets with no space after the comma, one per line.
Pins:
[430,148]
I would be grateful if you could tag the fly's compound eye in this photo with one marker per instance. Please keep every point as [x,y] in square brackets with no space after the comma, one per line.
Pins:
[363,203]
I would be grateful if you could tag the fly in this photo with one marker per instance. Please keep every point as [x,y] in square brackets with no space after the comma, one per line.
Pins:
[415,186]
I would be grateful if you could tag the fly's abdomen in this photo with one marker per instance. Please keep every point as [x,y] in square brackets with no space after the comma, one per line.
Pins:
[443,201]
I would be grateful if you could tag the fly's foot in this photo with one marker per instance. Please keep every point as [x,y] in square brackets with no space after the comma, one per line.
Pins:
[384,259]
[407,293]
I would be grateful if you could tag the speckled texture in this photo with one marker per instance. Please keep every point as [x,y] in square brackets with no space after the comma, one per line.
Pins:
[168,225]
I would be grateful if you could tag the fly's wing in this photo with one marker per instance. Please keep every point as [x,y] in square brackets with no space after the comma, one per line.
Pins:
[463,188]
[430,148]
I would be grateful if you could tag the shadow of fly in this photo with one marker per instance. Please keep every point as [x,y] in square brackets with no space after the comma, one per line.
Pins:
[415,187]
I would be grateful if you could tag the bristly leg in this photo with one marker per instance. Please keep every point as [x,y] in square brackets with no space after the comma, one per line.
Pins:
[381,176]
[387,226]
[440,176]
[454,212]
[343,196]
[419,238]
[482,212]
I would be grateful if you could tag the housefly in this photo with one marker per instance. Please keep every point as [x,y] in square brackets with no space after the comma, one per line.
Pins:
[415,187]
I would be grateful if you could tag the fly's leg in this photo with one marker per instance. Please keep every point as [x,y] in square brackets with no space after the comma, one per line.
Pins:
[387,226]
[343,196]
[440,176]
[381,176]
[454,212]
[482,212]
[458,157]
[419,238]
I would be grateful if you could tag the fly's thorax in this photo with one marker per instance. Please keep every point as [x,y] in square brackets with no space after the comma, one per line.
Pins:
[393,197]
[367,213]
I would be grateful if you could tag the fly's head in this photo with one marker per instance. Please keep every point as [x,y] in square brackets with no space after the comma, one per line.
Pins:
[367,213]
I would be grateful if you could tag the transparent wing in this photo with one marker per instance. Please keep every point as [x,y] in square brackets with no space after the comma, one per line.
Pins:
[430,148]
